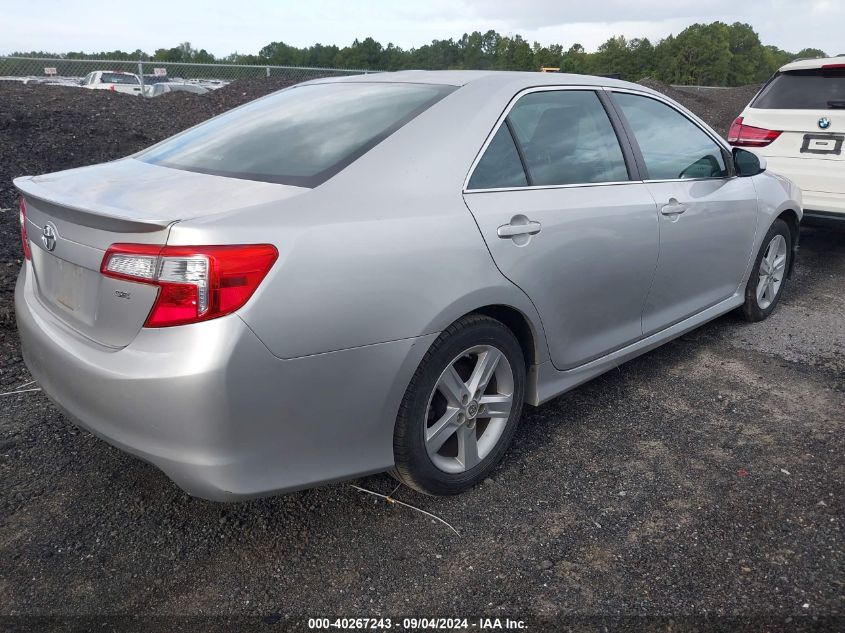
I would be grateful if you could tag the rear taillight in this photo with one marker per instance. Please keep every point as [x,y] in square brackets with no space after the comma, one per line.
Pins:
[750,136]
[833,66]
[24,239]
[196,283]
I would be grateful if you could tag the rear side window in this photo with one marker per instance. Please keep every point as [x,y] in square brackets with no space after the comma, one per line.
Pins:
[500,166]
[118,78]
[567,138]
[673,147]
[816,89]
[301,136]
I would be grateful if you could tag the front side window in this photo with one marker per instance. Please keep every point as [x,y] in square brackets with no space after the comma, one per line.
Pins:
[673,147]
[814,89]
[301,136]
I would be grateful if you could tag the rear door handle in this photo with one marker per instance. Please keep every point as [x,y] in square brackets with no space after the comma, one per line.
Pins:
[673,208]
[518,226]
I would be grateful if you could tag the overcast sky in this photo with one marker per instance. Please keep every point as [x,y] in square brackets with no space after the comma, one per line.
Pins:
[226,26]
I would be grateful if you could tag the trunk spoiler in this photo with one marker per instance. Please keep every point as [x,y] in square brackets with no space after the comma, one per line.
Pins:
[96,216]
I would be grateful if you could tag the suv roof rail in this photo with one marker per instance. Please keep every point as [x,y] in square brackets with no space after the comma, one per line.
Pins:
[801,59]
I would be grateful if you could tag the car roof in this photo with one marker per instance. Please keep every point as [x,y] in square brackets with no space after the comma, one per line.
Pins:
[518,79]
[808,64]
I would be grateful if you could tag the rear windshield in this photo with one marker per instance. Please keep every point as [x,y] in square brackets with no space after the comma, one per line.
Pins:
[301,136]
[118,78]
[816,89]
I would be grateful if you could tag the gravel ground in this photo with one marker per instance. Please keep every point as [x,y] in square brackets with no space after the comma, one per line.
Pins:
[696,488]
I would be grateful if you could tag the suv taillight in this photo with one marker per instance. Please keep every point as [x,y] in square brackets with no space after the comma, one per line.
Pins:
[196,283]
[750,136]
[24,239]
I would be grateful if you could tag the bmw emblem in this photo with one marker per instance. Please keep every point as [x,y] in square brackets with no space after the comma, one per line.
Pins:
[48,237]
[824,123]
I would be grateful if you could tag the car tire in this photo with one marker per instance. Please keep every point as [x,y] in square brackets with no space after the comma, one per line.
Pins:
[447,437]
[768,277]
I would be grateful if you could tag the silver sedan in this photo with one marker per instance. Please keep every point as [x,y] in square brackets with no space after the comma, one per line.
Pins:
[375,273]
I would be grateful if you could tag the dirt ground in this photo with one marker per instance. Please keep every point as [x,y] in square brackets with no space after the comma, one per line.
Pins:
[699,487]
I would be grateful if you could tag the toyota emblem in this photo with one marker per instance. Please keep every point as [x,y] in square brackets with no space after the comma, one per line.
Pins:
[48,237]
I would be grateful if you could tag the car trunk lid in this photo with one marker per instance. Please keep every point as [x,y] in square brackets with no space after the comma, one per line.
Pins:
[74,216]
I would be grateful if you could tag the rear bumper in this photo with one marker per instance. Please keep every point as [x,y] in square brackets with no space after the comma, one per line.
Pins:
[215,410]
[822,203]
[805,172]
[824,219]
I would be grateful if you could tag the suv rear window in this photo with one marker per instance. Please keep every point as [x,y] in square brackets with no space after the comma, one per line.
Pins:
[815,89]
[301,136]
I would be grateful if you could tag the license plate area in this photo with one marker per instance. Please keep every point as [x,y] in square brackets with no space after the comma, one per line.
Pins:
[830,144]
[66,287]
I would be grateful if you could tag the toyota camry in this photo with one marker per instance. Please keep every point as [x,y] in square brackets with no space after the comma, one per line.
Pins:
[376,273]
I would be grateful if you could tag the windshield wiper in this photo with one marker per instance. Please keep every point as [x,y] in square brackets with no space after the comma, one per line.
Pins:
[836,104]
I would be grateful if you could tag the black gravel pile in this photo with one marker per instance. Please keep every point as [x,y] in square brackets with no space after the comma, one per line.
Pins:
[717,106]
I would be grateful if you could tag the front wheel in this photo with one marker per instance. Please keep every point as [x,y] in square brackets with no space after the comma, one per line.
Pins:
[769,274]
[461,409]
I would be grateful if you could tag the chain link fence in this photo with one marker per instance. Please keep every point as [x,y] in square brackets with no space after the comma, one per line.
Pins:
[72,71]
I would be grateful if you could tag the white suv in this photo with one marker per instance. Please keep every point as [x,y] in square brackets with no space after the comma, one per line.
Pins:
[797,121]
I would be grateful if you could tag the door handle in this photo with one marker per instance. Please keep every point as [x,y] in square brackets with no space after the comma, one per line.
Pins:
[673,208]
[519,226]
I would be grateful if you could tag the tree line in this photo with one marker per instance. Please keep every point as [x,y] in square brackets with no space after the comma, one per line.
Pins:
[715,54]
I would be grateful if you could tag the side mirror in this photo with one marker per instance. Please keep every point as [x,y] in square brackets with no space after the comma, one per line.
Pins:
[748,163]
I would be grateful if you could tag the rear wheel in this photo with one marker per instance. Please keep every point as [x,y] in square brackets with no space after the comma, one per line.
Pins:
[461,409]
[769,275]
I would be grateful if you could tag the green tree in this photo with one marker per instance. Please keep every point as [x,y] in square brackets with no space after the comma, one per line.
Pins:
[811,53]
[700,54]
[708,54]
[365,54]
[575,60]
[748,63]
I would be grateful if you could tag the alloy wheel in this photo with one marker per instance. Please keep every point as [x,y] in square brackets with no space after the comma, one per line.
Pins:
[469,408]
[772,269]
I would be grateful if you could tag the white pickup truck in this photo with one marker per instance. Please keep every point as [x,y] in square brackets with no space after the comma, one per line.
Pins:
[112,80]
